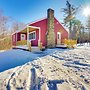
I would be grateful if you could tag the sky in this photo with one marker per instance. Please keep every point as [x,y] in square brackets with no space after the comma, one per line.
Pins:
[30,10]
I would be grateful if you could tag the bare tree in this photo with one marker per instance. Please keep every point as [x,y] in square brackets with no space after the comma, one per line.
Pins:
[7,26]
[3,24]
[17,26]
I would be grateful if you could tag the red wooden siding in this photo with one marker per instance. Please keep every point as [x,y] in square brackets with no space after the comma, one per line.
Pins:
[43,29]
[14,39]
[35,42]
[59,28]
[19,36]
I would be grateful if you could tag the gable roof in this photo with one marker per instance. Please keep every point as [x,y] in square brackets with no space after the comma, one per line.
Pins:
[36,21]
[28,24]
[61,24]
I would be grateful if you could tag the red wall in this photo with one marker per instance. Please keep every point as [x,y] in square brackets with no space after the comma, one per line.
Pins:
[59,28]
[19,36]
[35,42]
[43,28]
[14,39]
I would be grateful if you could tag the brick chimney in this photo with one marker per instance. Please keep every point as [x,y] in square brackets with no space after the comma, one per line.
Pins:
[50,29]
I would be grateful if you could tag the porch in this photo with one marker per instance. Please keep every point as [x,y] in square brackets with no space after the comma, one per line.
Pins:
[28,47]
[29,34]
[28,38]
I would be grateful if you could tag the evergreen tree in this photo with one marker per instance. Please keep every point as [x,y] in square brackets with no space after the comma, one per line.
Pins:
[69,13]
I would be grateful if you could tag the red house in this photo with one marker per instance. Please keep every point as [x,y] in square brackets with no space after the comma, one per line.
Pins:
[48,31]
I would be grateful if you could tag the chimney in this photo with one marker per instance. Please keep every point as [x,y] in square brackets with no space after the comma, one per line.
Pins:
[50,29]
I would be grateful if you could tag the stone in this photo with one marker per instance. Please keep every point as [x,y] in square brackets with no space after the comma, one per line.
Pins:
[50,29]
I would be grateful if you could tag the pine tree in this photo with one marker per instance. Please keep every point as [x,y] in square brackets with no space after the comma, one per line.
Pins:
[69,12]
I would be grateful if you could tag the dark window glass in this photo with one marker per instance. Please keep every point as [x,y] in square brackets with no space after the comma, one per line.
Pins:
[32,36]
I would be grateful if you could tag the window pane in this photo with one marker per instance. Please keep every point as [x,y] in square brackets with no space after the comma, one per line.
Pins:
[32,36]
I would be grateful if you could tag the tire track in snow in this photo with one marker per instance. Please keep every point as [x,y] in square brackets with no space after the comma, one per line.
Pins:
[8,80]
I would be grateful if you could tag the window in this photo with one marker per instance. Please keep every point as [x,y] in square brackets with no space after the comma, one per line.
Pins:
[58,35]
[23,36]
[32,36]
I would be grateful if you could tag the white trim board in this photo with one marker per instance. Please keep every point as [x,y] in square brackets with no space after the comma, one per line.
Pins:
[25,28]
[33,27]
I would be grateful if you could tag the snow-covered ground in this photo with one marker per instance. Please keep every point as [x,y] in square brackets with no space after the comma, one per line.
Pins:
[16,57]
[55,69]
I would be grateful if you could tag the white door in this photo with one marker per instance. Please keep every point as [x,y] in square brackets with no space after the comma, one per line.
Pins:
[23,36]
[58,38]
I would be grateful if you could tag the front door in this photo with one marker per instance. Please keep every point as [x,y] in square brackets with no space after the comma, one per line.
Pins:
[58,38]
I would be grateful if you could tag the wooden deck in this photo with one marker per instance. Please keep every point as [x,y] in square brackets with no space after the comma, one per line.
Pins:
[25,47]
[61,46]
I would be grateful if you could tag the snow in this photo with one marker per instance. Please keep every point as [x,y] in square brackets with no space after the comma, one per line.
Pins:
[16,57]
[2,50]
[53,69]
[23,47]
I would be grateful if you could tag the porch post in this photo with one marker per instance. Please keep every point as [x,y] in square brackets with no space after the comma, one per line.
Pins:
[27,35]
[28,43]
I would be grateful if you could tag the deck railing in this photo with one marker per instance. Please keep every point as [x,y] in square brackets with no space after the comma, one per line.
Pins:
[22,42]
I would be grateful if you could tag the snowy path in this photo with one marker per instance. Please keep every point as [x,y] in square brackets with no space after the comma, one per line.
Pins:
[67,70]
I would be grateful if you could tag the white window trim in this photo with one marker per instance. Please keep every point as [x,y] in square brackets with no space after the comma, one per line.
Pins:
[59,34]
[21,36]
[30,33]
